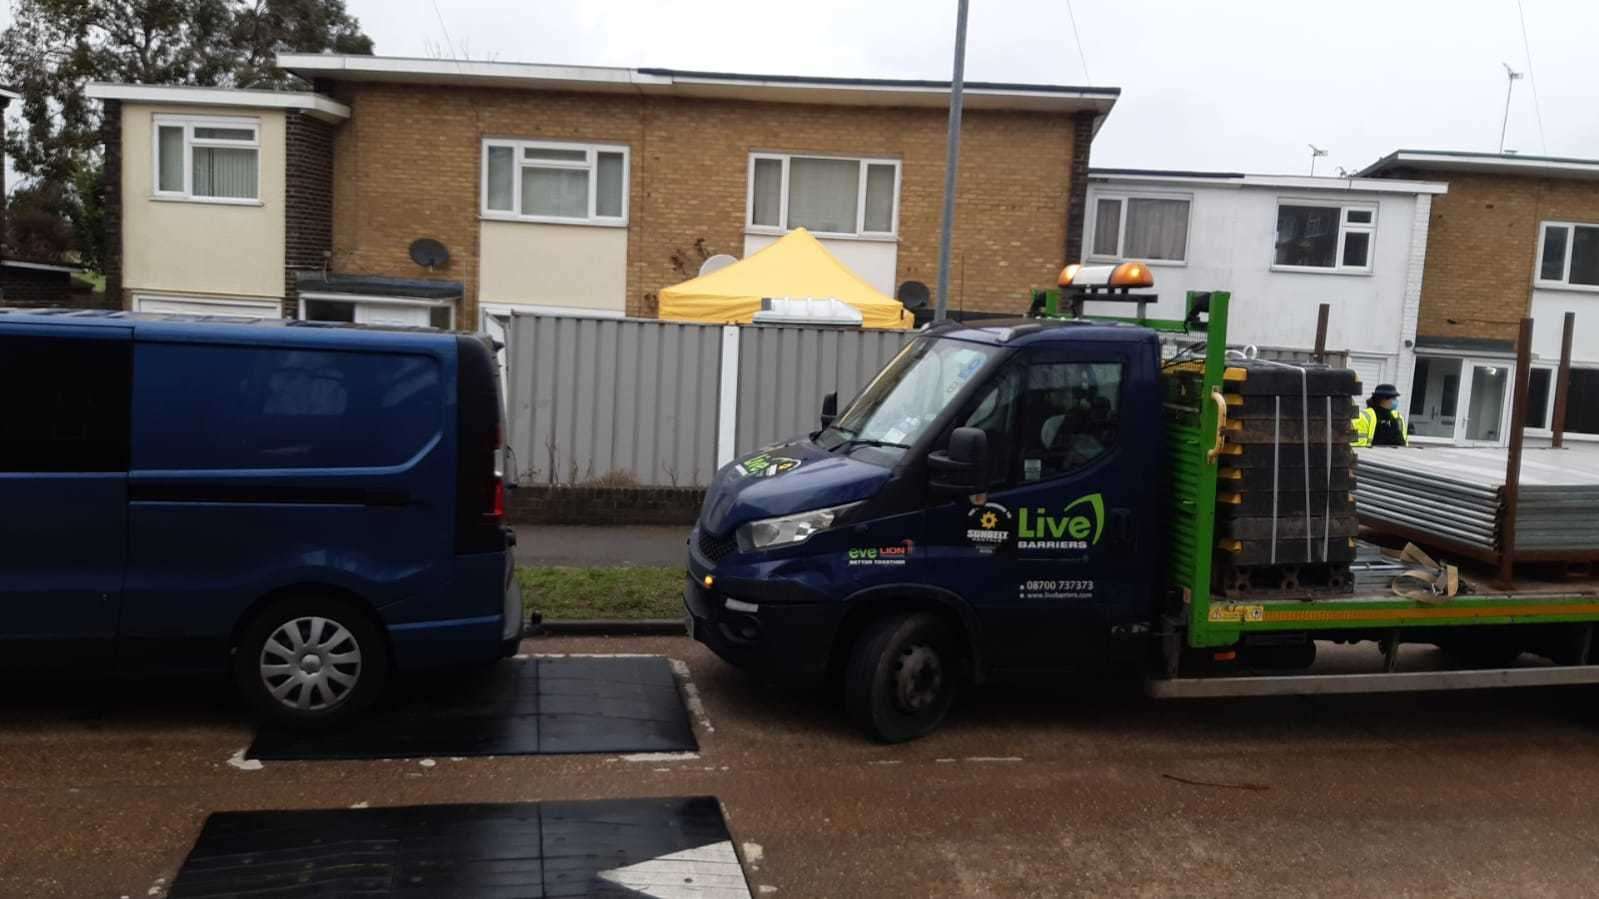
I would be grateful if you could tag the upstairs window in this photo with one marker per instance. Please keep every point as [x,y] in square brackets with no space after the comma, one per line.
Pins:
[826,195]
[207,158]
[1321,237]
[543,181]
[1568,255]
[1144,228]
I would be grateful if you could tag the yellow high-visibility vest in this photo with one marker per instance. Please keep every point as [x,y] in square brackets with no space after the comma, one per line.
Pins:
[1366,427]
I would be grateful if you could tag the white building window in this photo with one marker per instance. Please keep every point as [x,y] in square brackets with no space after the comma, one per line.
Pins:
[827,195]
[1148,228]
[1568,255]
[207,158]
[1582,401]
[544,181]
[394,311]
[1314,236]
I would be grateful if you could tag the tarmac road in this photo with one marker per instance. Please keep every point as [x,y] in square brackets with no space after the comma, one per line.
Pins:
[1022,794]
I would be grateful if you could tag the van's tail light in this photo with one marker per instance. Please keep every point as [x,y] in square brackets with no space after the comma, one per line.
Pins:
[497,503]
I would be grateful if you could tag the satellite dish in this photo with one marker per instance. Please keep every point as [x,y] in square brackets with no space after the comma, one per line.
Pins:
[717,263]
[428,253]
[913,295]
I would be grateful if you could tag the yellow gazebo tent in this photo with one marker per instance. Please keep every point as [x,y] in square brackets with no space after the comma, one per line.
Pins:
[797,265]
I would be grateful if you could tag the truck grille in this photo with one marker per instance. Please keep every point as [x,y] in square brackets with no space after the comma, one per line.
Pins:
[715,549]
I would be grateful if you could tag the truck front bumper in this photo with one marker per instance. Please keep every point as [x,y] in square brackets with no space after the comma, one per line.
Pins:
[786,641]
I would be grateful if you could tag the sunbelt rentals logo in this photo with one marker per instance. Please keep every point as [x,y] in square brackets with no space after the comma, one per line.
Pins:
[1076,527]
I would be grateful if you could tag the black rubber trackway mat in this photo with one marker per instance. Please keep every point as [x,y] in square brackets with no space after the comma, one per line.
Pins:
[611,848]
[522,707]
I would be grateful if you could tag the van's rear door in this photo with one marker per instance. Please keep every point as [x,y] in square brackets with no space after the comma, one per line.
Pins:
[63,490]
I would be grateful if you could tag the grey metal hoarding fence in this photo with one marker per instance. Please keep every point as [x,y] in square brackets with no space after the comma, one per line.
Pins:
[784,371]
[625,402]
[612,401]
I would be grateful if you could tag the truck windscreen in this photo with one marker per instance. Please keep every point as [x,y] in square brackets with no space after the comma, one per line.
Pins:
[909,393]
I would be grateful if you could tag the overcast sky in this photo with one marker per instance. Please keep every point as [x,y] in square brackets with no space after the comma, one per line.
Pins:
[1241,85]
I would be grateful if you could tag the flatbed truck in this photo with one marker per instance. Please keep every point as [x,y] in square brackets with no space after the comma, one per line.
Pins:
[1038,499]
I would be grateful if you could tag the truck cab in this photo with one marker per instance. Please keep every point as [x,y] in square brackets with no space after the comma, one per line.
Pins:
[987,505]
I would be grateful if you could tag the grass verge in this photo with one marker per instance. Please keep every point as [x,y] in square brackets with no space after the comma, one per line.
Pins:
[559,592]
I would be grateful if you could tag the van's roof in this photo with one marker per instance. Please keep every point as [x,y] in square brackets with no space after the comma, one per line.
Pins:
[232,329]
[1028,331]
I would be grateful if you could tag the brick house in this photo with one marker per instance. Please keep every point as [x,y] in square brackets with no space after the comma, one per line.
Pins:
[573,189]
[1514,236]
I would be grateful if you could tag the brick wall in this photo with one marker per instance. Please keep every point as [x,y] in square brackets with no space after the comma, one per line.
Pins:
[407,165]
[111,141]
[1481,248]
[604,505]
[308,201]
[1077,197]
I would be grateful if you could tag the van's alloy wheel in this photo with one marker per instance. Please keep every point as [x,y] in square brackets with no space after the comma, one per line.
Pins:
[310,663]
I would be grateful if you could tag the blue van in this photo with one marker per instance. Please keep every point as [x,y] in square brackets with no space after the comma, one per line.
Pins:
[311,506]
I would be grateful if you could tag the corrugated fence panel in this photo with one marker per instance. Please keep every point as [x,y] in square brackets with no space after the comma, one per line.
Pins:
[784,371]
[590,397]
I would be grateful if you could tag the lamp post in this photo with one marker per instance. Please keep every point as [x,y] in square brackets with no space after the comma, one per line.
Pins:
[951,160]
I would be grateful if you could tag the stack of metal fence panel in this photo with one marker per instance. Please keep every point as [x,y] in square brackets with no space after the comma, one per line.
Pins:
[1286,518]
[1455,496]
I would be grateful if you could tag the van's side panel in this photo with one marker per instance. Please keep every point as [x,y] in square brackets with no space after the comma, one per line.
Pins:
[63,491]
[309,460]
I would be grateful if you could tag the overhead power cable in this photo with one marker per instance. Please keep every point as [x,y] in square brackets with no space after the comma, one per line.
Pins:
[1081,56]
[1531,78]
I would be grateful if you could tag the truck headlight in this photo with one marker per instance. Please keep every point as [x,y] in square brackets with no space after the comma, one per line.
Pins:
[790,530]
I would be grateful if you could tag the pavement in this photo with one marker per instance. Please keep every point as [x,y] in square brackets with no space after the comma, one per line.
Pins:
[1023,793]
[601,546]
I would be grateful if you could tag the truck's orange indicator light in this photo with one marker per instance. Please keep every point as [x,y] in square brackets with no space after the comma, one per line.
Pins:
[709,581]
[1068,273]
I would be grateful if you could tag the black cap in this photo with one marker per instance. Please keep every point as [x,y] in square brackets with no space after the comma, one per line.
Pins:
[1384,391]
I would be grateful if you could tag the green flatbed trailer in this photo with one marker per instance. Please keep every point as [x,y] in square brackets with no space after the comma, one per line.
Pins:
[1555,619]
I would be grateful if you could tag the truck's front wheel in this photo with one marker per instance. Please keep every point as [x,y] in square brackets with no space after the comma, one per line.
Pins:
[901,677]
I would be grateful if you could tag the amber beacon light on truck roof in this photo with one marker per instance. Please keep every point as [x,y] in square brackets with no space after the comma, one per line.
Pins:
[1100,283]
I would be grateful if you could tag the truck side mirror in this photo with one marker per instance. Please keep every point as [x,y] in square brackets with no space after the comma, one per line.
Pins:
[963,467]
[829,409]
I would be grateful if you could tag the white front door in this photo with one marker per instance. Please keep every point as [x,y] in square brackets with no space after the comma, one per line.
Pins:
[386,314]
[1485,404]
[1461,401]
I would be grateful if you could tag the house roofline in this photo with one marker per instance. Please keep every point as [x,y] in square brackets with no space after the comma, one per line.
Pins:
[713,85]
[313,104]
[1471,161]
[1281,182]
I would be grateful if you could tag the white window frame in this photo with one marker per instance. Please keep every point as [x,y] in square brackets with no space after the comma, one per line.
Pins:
[590,164]
[1549,402]
[860,232]
[188,123]
[358,299]
[1121,197]
[1345,228]
[270,309]
[1565,271]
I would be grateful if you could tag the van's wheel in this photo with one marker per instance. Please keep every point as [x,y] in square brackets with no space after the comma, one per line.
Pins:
[901,677]
[311,662]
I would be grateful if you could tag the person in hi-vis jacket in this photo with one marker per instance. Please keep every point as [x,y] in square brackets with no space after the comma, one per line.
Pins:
[1380,424]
